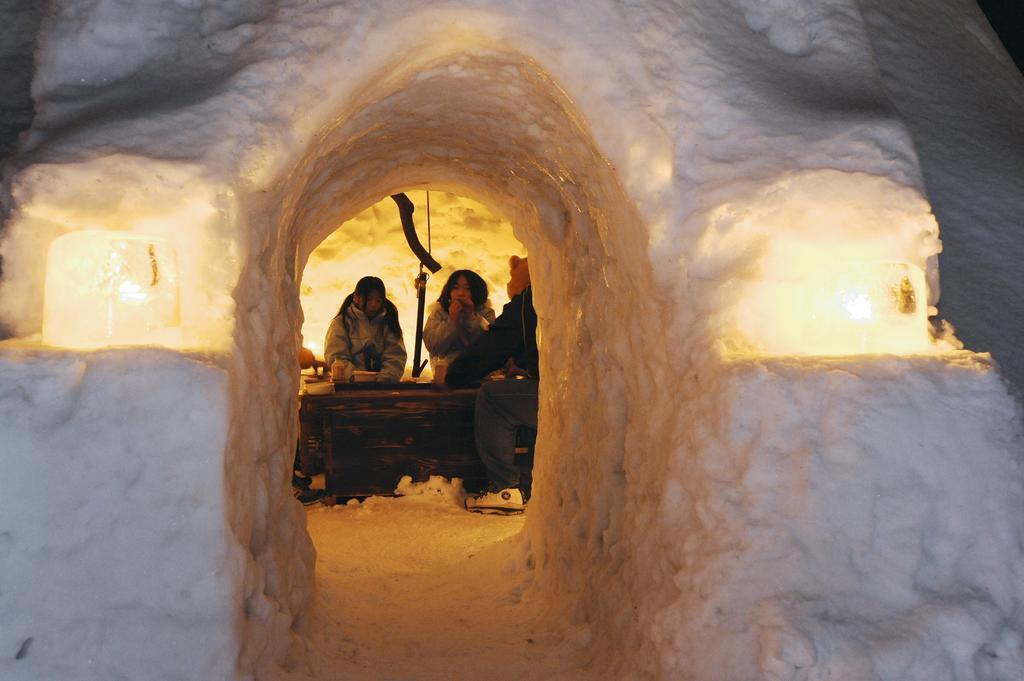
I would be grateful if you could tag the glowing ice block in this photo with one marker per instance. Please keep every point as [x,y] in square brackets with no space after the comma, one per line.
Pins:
[839,309]
[108,288]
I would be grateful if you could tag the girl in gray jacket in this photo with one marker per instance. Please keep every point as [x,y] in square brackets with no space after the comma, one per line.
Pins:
[461,314]
[366,334]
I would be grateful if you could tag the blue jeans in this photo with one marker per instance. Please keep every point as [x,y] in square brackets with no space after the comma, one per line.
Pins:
[501,407]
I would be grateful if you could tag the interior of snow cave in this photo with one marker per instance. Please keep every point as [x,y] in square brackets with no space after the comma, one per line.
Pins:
[443,262]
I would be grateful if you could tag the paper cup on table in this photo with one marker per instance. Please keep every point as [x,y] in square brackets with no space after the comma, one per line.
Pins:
[440,371]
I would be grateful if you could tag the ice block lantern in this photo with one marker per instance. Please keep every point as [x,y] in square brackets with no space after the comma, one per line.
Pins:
[111,288]
[838,307]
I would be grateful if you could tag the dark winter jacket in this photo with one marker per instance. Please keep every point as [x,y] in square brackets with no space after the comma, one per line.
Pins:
[512,335]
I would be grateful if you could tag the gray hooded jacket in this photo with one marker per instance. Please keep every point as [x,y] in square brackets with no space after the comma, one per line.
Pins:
[349,347]
[441,333]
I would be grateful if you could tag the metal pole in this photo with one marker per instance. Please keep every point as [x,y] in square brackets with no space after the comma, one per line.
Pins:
[421,299]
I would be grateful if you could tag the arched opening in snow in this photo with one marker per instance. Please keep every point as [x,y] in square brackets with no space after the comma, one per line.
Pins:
[494,128]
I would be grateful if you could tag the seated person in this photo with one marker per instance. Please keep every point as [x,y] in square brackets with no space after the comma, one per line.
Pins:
[306,461]
[461,313]
[503,406]
[308,360]
[366,334]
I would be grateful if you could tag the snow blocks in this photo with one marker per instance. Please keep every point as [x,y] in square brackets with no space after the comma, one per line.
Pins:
[858,518]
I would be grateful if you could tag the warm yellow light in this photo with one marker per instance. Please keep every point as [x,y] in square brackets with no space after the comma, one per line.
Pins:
[465,234]
[131,290]
[857,304]
[837,308]
[110,288]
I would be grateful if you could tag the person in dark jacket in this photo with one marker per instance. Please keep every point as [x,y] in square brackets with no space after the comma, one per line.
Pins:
[503,406]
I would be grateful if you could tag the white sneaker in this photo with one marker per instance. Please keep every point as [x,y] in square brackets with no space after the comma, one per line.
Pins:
[508,500]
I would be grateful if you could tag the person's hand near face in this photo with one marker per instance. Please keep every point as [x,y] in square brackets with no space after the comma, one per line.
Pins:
[462,299]
[457,308]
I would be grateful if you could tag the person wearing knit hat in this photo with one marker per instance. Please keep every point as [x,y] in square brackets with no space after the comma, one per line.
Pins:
[503,406]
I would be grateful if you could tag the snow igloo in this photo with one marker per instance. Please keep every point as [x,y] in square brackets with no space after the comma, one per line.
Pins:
[759,455]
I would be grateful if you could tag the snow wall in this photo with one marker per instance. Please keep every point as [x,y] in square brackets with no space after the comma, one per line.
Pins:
[687,515]
[113,546]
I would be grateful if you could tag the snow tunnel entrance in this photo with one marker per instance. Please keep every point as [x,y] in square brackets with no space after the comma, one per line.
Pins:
[493,128]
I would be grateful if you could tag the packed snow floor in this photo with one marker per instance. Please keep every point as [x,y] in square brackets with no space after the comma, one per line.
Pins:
[417,588]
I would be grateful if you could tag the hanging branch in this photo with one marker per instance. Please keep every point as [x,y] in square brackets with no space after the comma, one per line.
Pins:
[405,209]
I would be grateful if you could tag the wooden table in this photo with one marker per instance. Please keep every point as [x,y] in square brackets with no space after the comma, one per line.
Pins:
[371,435]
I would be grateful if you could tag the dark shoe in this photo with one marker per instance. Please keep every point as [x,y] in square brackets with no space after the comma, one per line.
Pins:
[301,481]
[308,497]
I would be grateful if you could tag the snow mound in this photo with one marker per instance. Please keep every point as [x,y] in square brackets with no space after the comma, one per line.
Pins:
[113,530]
[694,517]
[833,519]
[437,489]
[784,21]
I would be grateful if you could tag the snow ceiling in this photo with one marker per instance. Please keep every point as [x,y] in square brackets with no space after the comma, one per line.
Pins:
[710,193]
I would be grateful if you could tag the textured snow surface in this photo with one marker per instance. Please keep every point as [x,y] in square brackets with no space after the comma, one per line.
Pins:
[17,38]
[115,555]
[128,550]
[416,588]
[963,101]
[805,519]
[692,518]
[851,520]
